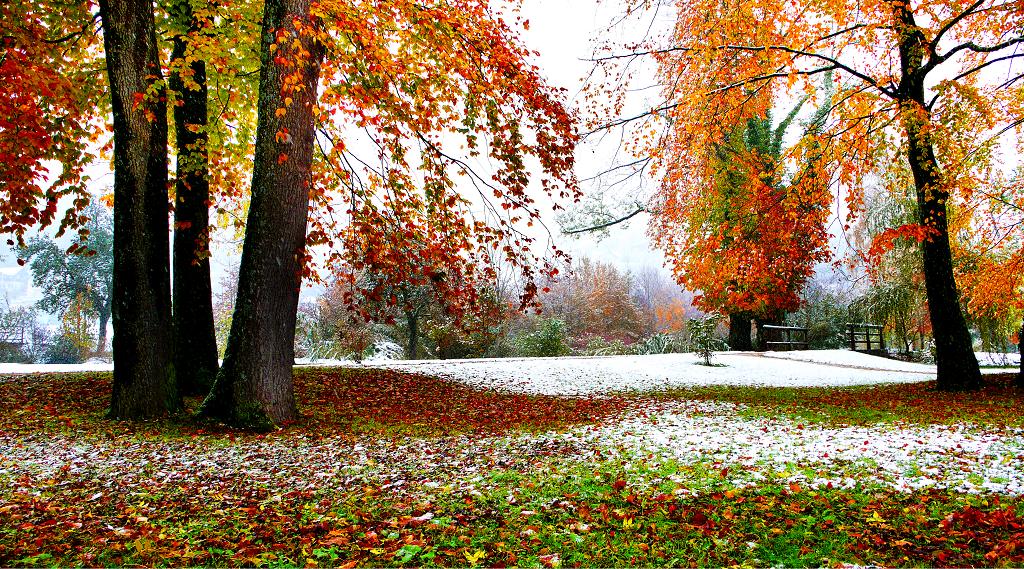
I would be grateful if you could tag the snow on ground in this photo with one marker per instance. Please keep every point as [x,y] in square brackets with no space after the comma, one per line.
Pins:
[752,451]
[717,435]
[55,368]
[583,376]
[998,359]
[901,456]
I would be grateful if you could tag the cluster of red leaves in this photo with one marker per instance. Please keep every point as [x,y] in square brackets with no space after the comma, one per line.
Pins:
[340,400]
[45,109]
[437,87]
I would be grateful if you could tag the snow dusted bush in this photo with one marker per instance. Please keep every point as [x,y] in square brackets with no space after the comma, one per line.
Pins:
[704,339]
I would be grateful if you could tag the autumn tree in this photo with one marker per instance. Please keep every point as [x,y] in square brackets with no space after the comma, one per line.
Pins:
[406,79]
[195,340]
[595,300]
[912,84]
[254,387]
[740,229]
[144,379]
[990,254]
[664,306]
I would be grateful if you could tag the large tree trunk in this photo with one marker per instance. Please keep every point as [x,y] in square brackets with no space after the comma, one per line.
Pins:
[144,381]
[954,354]
[739,333]
[195,339]
[254,389]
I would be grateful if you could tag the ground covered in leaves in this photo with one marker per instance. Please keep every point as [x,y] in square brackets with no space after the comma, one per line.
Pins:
[389,468]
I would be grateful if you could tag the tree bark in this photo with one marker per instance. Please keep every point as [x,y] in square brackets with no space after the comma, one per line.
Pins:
[413,321]
[254,388]
[1020,350]
[101,342]
[954,354]
[195,339]
[739,333]
[144,380]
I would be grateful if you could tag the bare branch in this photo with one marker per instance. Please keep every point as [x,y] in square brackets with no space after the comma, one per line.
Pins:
[639,209]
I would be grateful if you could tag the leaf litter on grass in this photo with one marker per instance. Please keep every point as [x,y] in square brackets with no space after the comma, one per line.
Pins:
[387,470]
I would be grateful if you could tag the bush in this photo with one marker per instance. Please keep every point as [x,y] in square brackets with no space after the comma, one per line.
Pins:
[63,350]
[13,354]
[704,340]
[657,344]
[549,339]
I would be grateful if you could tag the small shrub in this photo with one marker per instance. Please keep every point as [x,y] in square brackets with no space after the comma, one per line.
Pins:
[657,344]
[704,339]
[548,340]
[63,350]
[598,346]
[13,354]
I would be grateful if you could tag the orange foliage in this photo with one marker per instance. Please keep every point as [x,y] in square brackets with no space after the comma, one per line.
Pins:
[45,107]
[418,99]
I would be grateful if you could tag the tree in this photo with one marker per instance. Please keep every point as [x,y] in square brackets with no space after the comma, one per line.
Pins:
[254,387]
[195,339]
[742,231]
[144,379]
[595,300]
[412,79]
[895,297]
[664,306]
[911,86]
[87,273]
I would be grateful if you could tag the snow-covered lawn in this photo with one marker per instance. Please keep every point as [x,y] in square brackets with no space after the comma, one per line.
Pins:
[586,376]
[905,457]
[583,376]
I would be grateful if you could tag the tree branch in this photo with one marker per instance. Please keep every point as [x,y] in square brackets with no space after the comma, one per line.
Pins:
[639,209]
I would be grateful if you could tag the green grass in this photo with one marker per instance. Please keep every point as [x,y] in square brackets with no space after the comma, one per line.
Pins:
[611,511]
[998,404]
[598,515]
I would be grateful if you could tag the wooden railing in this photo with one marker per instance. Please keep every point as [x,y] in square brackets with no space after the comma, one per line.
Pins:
[785,338]
[866,338]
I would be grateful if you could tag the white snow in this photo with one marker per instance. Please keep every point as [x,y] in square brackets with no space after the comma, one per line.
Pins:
[582,376]
[904,457]
[998,359]
[55,368]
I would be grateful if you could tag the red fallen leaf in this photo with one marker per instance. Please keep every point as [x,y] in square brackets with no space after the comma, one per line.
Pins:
[619,484]
[794,487]
[698,519]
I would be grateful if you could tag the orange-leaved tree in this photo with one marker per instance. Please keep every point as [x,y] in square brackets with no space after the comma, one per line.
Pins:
[737,227]
[927,82]
[991,267]
[420,80]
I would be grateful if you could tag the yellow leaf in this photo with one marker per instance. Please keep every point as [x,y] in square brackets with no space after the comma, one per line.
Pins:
[474,558]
